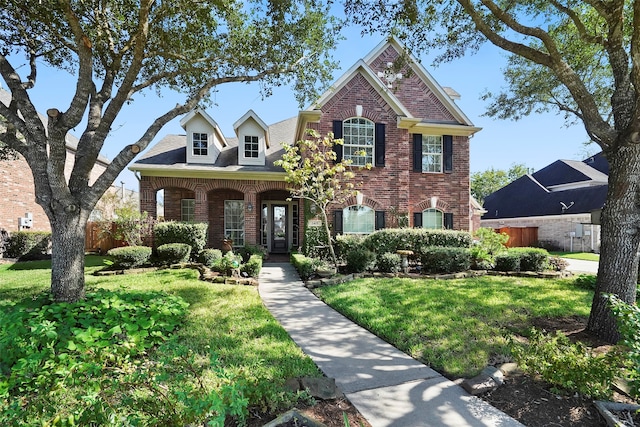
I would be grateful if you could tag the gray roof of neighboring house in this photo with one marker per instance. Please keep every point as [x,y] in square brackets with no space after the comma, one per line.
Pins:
[171,151]
[533,195]
[70,139]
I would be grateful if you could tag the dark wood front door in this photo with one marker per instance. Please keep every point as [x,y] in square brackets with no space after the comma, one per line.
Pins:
[279,229]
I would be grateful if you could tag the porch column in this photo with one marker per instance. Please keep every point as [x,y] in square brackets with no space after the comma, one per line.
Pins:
[148,202]
[251,216]
[202,208]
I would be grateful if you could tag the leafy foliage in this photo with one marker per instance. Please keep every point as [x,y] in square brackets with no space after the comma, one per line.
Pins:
[568,366]
[28,245]
[531,259]
[437,259]
[210,257]
[253,265]
[305,265]
[128,224]
[359,259]
[172,253]
[491,180]
[394,239]
[388,262]
[193,234]
[227,264]
[507,261]
[628,318]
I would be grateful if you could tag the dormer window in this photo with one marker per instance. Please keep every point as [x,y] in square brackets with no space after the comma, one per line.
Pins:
[251,147]
[200,144]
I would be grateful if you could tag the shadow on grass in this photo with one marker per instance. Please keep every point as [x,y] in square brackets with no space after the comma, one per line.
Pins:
[89,262]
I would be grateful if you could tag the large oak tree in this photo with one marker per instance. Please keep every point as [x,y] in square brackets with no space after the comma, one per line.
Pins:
[116,49]
[579,58]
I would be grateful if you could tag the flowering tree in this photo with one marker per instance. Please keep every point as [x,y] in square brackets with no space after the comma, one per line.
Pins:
[314,175]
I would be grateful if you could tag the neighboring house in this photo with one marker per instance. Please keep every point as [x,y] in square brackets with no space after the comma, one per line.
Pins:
[408,126]
[18,207]
[553,206]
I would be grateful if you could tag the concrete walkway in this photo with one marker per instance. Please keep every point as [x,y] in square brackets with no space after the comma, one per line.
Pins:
[388,387]
[577,266]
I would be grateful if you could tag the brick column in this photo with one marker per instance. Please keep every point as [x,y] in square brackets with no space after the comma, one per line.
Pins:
[148,202]
[251,218]
[202,206]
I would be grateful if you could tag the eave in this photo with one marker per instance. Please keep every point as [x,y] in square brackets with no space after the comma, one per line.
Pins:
[201,172]
[415,125]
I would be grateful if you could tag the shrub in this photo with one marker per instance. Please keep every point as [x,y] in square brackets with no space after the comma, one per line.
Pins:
[568,366]
[493,243]
[388,262]
[28,245]
[315,243]
[210,257]
[130,256]
[531,259]
[227,264]
[247,250]
[359,259]
[394,239]
[345,243]
[480,258]
[253,266]
[628,318]
[193,234]
[305,265]
[444,260]
[507,261]
[173,253]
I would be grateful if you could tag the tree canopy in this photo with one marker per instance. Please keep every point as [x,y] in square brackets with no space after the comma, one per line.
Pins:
[117,49]
[491,180]
[580,58]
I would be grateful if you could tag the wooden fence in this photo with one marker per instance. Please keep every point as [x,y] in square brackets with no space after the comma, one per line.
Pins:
[96,241]
[520,236]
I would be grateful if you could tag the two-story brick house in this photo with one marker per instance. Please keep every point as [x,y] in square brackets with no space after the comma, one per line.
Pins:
[408,127]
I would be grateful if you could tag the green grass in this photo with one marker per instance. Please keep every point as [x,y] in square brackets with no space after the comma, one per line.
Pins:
[585,256]
[454,325]
[229,321]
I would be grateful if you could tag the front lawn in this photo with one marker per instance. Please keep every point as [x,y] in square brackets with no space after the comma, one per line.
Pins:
[454,326]
[585,256]
[115,363]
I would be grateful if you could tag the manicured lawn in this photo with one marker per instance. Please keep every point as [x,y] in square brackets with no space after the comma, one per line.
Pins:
[586,256]
[454,325]
[223,323]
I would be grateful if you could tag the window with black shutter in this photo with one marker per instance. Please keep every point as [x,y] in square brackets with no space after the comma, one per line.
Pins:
[337,134]
[379,144]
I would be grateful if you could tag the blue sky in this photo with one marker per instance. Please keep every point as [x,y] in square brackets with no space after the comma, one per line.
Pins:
[535,141]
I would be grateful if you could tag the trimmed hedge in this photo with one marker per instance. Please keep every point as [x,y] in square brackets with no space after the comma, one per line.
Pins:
[193,234]
[394,239]
[253,266]
[437,259]
[359,259]
[173,253]
[28,245]
[507,261]
[388,262]
[305,265]
[210,257]
[532,259]
[130,256]
[345,243]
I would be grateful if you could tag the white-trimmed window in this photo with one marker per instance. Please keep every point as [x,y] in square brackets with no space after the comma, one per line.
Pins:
[188,210]
[432,218]
[358,136]
[251,147]
[358,220]
[431,153]
[200,144]
[234,221]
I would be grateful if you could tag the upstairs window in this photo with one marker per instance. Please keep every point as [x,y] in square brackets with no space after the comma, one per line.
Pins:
[358,134]
[200,144]
[431,153]
[251,147]
[188,210]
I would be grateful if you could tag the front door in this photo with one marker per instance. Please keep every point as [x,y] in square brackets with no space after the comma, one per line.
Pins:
[279,229]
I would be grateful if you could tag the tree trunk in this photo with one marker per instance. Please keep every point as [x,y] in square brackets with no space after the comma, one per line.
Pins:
[332,252]
[620,240]
[67,257]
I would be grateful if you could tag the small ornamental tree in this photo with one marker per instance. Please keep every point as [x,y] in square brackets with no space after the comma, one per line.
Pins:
[316,176]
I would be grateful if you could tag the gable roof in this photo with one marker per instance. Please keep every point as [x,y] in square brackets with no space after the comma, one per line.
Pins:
[563,187]
[252,115]
[199,111]
[406,120]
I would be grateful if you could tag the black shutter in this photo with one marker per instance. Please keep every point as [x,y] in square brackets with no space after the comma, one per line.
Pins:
[337,134]
[379,145]
[417,152]
[448,153]
[379,220]
[417,219]
[448,220]
[337,221]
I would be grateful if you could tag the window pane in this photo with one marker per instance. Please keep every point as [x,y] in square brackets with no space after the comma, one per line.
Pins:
[432,218]
[431,153]
[234,221]
[251,146]
[358,220]
[358,135]
[188,210]
[200,144]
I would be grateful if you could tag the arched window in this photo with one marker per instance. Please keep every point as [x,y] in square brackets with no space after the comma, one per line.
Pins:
[358,220]
[432,218]
[359,138]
